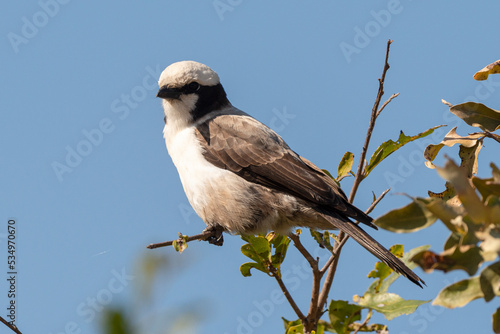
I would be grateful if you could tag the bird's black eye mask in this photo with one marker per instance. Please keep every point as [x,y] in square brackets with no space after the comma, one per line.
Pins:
[175,93]
[190,88]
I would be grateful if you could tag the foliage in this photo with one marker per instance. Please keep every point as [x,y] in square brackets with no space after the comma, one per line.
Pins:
[344,316]
[469,207]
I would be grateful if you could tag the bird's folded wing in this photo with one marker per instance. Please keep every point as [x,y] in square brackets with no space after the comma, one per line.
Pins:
[248,148]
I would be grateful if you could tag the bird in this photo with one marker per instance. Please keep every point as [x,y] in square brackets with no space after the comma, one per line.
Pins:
[241,177]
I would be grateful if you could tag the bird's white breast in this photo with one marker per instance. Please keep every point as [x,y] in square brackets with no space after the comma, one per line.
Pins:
[198,176]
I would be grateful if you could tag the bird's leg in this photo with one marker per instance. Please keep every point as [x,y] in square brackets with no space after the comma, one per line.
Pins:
[216,237]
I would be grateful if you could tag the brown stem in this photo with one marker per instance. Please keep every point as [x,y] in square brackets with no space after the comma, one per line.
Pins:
[310,321]
[296,241]
[12,327]
[360,172]
[202,236]
[374,204]
[368,317]
[287,294]
[393,96]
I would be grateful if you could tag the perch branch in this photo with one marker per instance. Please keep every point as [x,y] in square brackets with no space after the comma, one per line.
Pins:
[202,236]
[12,327]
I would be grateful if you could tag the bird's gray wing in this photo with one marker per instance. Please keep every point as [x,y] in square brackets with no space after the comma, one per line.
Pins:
[245,146]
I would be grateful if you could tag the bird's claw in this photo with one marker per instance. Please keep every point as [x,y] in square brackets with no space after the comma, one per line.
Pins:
[215,238]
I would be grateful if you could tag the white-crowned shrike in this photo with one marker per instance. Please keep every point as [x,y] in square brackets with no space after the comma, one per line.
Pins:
[240,176]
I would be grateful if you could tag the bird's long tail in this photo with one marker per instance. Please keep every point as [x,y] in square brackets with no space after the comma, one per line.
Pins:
[363,238]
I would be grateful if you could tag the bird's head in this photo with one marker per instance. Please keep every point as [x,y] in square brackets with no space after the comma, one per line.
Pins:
[190,90]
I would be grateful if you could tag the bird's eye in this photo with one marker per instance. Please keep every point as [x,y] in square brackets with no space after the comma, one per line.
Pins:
[192,87]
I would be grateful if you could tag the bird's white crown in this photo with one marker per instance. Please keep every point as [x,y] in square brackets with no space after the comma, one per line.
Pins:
[183,72]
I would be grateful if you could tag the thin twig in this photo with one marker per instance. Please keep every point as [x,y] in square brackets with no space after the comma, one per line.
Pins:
[330,260]
[327,284]
[202,236]
[296,241]
[311,314]
[374,204]
[393,96]
[368,317]
[359,173]
[12,327]
[287,294]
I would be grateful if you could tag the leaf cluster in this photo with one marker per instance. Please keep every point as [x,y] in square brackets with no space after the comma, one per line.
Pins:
[469,207]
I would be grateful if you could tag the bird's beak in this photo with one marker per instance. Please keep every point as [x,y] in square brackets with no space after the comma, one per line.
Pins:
[168,93]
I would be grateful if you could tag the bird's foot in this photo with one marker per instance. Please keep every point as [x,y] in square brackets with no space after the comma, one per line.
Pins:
[215,237]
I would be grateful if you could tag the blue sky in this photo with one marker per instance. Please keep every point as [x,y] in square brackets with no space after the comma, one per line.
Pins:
[87,177]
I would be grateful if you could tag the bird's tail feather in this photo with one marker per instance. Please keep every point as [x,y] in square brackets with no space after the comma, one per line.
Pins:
[371,245]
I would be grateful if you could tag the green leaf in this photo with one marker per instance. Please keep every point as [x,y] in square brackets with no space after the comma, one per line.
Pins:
[460,293]
[381,271]
[293,327]
[258,247]
[388,147]
[496,321]
[323,239]
[487,70]
[478,115]
[342,314]
[180,244]
[390,304]
[489,280]
[280,244]
[410,218]
[245,268]
[345,165]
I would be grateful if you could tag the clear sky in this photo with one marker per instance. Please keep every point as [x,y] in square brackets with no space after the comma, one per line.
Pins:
[86,175]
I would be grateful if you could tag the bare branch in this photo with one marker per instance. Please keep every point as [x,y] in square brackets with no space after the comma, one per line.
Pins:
[330,260]
[368,317]
[374,204]
[393,96]
[12,327]
[359,173]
